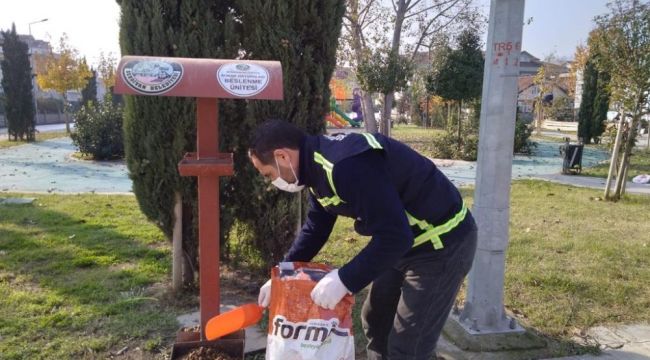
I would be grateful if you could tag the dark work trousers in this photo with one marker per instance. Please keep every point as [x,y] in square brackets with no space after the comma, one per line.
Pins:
[407,306]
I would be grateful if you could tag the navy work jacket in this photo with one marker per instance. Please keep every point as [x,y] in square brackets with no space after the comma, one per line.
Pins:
[377,181]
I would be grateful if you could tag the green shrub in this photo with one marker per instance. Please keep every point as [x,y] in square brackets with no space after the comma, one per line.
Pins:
[560,110]
[523,144]
[446,146]
[98,130]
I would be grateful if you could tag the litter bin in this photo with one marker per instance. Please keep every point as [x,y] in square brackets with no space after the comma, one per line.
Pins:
[572,158]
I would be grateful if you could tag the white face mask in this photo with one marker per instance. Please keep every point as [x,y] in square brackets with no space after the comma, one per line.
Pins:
[282,184]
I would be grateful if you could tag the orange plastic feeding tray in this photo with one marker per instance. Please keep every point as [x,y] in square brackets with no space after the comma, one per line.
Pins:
[207,80]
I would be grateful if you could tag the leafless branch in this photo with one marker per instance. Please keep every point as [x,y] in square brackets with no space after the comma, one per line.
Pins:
[411,6]
[438,5]
[363,26]
[367,7]
[427,33]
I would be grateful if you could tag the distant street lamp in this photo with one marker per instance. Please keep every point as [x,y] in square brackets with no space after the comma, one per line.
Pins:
[32,63]
[35,22]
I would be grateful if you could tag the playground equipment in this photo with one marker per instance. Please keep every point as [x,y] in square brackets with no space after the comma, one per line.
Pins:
[207,80]
[338,118]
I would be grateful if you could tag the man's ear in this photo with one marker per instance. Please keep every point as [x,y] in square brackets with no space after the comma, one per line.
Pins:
[281,153]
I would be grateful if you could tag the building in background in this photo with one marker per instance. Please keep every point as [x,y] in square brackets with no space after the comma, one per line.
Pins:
[49,102]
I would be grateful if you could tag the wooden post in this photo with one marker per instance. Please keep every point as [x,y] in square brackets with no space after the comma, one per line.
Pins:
[206,80]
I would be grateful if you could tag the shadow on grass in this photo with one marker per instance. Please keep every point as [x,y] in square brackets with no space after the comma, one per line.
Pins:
[69,288]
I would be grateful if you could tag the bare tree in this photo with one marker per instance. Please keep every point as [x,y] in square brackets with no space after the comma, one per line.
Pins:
[415,24]
[355,47]
[423,19]
[623,40]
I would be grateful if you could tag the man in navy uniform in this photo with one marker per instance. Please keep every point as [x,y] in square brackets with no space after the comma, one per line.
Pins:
[423,237]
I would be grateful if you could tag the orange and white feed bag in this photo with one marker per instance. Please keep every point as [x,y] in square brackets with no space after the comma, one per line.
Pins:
[298,328]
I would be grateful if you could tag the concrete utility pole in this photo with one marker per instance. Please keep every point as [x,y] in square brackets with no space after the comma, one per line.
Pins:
[484,312]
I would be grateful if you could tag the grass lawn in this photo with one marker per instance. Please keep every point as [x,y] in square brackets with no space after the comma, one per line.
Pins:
[77,279]
[573,262]
[639,164]
[40,136]
[82,276]
[417,137]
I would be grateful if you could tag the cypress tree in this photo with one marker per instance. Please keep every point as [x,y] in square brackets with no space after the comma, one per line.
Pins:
[159,130]
[89,92]
[595,102]
[586,112]
[601,105]
[303,36]
[17,85]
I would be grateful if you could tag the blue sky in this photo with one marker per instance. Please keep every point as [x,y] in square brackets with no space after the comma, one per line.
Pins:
[557,26]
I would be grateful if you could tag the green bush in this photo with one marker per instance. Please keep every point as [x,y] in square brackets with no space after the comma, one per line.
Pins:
[560,110]
[523,144]
[446,147]
[98,130]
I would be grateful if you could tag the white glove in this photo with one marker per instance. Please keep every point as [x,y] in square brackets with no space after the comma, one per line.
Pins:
[264,298]
[329,291]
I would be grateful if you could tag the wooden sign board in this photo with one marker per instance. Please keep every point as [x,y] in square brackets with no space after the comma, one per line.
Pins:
[200,78]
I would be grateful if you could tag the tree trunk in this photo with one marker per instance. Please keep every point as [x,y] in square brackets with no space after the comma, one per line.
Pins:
[614,159]
[629,144]
[385,118]
[448,116]
[460,124]
[426,115]
[177,244]
[540,116]
[397,34]
[369,121]
[622,170]
[627,167]
[190,248]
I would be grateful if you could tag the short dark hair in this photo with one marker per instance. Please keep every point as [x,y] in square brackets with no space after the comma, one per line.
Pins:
[272,135]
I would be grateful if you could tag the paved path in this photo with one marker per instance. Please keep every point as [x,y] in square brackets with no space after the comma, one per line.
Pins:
[546,160]
[624,342]
[47,167]
[628,342]
[43,128]
[594,182]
